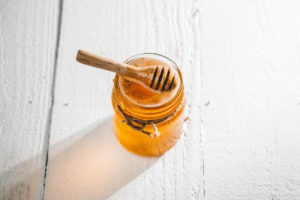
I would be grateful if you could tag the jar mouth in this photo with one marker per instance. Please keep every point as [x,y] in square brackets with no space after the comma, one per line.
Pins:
[164,59]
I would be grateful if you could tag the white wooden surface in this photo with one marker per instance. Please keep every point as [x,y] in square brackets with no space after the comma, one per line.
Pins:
[241,67]
[27,49]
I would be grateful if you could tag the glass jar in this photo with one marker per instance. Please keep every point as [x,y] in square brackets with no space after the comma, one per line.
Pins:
[148,129]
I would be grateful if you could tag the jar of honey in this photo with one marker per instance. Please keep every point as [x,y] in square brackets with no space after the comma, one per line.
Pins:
[147,122]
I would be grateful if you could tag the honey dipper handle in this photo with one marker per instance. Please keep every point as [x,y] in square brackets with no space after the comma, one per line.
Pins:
[101,62]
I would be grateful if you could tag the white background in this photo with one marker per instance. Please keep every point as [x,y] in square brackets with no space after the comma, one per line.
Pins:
[241,65]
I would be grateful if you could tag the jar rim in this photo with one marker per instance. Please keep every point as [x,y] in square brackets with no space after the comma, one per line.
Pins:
[163,59]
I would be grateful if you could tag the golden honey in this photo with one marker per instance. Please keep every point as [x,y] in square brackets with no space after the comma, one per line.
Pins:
[147,122]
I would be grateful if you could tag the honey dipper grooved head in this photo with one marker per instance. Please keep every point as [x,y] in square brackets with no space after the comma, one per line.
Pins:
[163,78]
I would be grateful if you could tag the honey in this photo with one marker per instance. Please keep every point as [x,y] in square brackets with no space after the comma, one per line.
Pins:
[147,122]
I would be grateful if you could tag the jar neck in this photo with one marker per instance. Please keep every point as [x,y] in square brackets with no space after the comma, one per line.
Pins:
[145,112]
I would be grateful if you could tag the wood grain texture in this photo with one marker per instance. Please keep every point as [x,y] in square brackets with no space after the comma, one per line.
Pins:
[82,96]
[27,46]
[251,75]
[241,70]
[240,63]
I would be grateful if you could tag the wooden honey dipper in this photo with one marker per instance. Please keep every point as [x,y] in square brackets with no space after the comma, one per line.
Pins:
[161,78]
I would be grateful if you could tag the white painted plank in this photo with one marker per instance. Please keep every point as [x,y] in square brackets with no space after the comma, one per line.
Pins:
[251,77]
[88,162]
[27,46]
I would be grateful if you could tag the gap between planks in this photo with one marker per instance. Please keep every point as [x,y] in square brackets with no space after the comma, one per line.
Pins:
[50,112]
